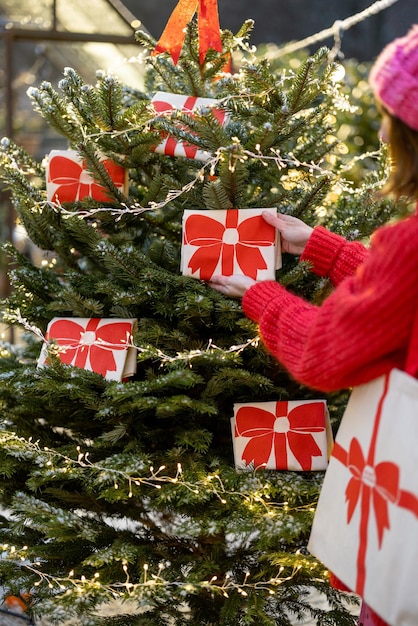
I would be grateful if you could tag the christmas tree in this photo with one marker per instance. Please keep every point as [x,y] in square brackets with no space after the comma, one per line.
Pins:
[127,488]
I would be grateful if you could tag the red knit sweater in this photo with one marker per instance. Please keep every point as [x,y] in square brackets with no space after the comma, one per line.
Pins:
[362,329]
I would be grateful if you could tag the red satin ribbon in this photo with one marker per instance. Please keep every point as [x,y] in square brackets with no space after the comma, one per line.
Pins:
[373,487]
[172,39]
[259,424]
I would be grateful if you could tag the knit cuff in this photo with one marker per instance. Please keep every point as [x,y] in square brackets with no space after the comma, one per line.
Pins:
[322,250]
[258,297]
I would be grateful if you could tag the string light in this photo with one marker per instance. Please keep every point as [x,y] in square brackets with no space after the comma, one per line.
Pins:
[210,165]
[188,356]
[123,589]
[257,497]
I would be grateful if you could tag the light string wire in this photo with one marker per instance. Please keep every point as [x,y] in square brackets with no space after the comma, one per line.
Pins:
[337,28]
[172,195]
[60,463]
[152,582]
[187,356]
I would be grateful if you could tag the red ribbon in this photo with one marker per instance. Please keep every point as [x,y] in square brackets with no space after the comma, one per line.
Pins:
[173,36]
[75,183]
[277,431]
[372,486]
[211,238]
[79,342]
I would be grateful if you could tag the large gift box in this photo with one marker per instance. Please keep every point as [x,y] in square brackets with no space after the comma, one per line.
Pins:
[97,344]
[231,241]
[365,528]
[284,435]
[166,103]
[67,179]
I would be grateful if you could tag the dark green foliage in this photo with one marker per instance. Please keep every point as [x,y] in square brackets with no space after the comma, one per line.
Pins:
[128,489]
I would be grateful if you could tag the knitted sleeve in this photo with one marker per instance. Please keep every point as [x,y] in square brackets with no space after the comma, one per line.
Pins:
[332,255]
[360,331]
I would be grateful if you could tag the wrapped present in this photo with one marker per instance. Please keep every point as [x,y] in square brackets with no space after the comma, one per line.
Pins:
[168,102]
[97,344]
[226,242]
[67,179]
[284,435]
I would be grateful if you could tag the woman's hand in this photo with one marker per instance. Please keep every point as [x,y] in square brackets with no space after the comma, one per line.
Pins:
[232,286]
[294,233]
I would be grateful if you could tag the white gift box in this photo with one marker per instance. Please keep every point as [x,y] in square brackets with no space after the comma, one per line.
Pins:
[67,179]
[100,345]
[283,435]
[168,102]
[226,242]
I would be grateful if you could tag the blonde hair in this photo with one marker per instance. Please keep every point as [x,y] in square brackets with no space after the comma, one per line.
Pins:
[403,149]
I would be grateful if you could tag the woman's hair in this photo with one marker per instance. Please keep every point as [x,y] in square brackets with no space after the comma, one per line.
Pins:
[403,147]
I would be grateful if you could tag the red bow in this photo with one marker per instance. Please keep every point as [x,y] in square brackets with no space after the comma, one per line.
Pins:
[382,480]
[172,39]
[216,241]
[286,428]
[79,342]
[75,183]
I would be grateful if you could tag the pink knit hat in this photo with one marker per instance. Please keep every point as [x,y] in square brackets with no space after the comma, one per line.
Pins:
[394,78]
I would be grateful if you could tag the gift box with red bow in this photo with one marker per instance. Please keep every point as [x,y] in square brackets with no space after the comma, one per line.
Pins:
[167,102]
[67,179]
[284,435]
[97,344]
[226,242]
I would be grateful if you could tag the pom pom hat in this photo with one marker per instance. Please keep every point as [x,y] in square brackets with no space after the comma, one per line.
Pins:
[394,78]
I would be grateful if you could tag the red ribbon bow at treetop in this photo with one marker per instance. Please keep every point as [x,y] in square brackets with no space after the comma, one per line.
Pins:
[371,485]
[276,432]
[173,36]
[226,243]
[92,343]
[69,181]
